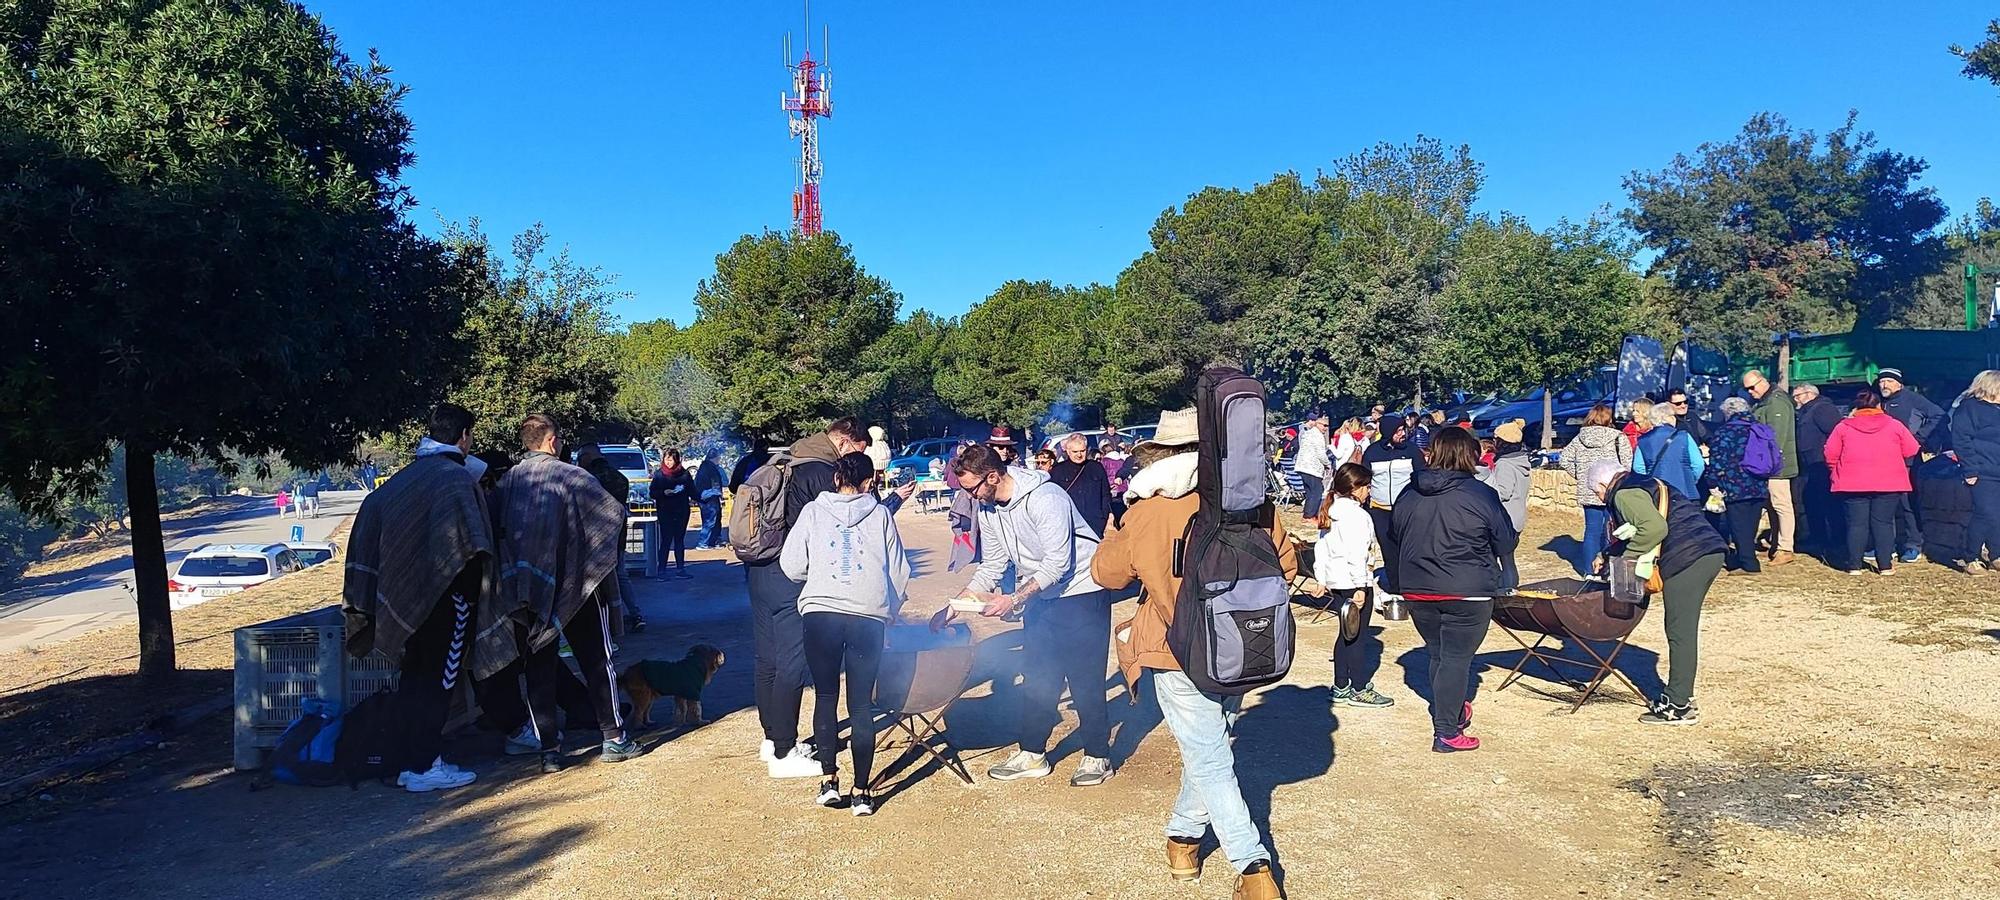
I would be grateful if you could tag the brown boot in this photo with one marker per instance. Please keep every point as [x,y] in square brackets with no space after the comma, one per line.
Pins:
[1257,884]
[1783,558]
[1183,862]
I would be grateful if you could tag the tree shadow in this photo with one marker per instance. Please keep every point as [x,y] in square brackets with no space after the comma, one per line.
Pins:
[1570,550]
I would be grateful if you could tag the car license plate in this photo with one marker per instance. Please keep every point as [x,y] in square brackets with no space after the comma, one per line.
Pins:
[218,591]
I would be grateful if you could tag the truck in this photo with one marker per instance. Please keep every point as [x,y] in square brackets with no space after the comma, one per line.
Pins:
[1941,362]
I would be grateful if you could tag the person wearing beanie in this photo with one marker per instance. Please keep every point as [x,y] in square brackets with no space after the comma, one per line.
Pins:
[878,451]
[1510,475]
[1922,418]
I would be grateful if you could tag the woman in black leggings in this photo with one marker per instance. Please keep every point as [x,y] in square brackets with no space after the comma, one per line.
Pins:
[1457,550]
[846,550]
[672,490]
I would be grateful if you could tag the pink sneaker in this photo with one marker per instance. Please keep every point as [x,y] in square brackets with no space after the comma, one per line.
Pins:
[1454,744]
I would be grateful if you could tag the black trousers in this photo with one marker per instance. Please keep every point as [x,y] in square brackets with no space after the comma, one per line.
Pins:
[433,660]
[1822,516]
[674,534]
[1985,529]
[1871,524]
[1069,643]
[1385,536]
[1452,631]
[589,634]
[1350,658]
[1743,517]
[1909,525]
[838,643]
[779,637]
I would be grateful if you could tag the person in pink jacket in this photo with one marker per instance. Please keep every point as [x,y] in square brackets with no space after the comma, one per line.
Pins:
[1868,453]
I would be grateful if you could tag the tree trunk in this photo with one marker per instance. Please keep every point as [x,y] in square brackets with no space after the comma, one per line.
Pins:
[149,564]
[1783,377]
[1418,403]
[1548,417]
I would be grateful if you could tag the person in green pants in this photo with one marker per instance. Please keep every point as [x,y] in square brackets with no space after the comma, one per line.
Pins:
[1656,526]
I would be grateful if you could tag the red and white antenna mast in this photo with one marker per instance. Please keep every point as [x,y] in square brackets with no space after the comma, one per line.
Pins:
[808,102]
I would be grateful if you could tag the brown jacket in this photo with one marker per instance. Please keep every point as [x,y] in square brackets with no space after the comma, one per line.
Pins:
[1143,548]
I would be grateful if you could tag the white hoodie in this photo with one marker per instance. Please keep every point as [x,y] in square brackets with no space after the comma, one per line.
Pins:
[1038,532]
[846,549]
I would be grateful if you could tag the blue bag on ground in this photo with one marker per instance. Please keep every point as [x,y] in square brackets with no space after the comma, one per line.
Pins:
[306,752]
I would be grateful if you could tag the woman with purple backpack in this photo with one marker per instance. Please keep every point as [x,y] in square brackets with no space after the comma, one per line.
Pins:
[1731,465]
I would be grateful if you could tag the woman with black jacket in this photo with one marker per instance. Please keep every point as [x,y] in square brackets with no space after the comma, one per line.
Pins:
[672,491]
[1456,548]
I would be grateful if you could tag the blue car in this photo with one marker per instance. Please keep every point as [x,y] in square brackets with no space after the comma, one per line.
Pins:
[915,460]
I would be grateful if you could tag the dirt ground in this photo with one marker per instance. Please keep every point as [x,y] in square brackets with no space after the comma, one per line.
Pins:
[1844,751]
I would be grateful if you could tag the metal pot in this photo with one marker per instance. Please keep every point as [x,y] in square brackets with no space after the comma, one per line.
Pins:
[1395,609]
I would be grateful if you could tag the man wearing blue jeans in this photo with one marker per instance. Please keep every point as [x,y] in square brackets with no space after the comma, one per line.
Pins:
[1162,501]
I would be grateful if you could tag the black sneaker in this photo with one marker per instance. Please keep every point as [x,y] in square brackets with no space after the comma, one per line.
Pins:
[1668,714]
[620,751]
[552,762]
[862,805]
[829,793]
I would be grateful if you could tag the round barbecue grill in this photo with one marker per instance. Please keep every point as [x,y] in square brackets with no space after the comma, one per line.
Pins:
[1580,609]
[1579,613]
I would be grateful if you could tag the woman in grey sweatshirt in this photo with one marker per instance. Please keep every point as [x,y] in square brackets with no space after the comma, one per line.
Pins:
[846,550]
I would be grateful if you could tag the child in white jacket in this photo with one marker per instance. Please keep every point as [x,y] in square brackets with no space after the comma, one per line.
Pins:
[1341,566]
[847,551]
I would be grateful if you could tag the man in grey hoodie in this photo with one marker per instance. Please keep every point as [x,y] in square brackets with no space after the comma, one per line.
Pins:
[847,551]
[1032,527]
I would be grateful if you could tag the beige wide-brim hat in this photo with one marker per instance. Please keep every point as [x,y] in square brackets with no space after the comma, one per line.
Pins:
[1177,429]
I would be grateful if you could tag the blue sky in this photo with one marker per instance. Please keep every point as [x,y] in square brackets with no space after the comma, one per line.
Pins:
[977,142]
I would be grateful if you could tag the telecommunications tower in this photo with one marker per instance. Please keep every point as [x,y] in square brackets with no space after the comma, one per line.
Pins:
[808,102]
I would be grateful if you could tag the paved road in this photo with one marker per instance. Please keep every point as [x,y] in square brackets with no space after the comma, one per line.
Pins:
[58,607]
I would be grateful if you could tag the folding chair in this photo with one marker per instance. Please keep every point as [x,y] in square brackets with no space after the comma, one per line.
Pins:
[915,688]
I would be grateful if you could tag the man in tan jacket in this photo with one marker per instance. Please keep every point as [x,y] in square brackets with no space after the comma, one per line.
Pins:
[1162,500]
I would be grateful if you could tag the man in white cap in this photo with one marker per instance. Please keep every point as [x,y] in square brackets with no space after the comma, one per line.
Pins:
[1922,417]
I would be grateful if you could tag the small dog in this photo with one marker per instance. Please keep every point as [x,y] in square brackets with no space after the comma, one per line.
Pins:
[648,680]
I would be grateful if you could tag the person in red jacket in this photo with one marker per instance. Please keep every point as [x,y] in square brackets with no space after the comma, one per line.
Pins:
[1869,453]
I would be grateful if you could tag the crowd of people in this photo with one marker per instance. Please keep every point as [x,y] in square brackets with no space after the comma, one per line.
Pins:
[518,555]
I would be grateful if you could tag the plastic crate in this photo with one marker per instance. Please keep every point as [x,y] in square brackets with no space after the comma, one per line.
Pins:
[281,662]
[642,545]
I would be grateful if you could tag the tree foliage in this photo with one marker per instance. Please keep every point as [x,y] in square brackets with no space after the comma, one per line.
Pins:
[784,324]
[896,387]
[1779,230]
[1982,60]
[206,248]
[1020,352]
[539,337]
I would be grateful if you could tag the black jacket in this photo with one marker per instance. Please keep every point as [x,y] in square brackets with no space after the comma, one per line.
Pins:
[1088,487]
[662,490]
[811,474]
[1689,535]
[707,477]
[1453,537]
[1916,412]
[1815,422]
[1975,437]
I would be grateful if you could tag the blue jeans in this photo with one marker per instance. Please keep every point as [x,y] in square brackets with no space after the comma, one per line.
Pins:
[711,522]
[1210,796]
[1596,522]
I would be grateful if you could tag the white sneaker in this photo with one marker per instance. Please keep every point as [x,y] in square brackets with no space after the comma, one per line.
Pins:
[436,779]
[1021,765]
[796,764]
[767,752]
[439,765]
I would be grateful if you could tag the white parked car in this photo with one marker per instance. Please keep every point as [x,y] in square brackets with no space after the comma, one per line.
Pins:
[312,553]
[218,570]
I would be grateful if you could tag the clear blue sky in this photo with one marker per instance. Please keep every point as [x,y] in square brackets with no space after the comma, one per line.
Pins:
[977,142]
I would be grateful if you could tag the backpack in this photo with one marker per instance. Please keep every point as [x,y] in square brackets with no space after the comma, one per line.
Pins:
[1232,630]
[368,735]
[757,523]
[1762,457]
[306,751]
